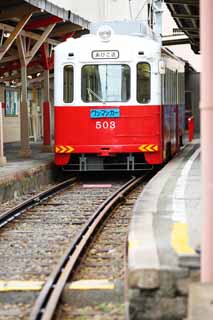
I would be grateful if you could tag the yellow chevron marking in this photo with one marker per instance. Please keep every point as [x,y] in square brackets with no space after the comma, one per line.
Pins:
[20,285]
[103,284]
[70,149]
[64,149]
[142,147]
[148,148]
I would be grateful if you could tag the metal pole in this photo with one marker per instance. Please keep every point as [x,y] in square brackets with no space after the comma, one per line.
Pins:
[206,11]
[46,113]
[157,26]
[3,160]
[25,151]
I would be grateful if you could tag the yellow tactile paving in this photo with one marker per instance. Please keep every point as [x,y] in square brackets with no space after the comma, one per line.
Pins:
[92,285]
[180,239]
[6,286]
[20,285]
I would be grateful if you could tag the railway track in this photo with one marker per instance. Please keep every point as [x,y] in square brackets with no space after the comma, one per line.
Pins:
[19,209]
[48,300]
[34,258]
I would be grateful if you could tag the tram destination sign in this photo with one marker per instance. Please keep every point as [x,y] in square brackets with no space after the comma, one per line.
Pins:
[105,54]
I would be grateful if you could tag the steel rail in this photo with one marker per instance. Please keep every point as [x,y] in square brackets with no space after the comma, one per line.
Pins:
[48,299]
[16,211]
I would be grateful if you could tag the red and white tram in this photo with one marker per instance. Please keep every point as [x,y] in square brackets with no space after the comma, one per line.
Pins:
[119,100]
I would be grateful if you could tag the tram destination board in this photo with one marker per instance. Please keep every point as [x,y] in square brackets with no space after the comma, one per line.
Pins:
[105,54]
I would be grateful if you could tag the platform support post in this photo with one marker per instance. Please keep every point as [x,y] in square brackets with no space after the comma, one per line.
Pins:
[206,9]
[3,159]
[46,114]
[25,151]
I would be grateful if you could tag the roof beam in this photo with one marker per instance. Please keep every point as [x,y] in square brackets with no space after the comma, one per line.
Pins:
[37,45]
[42,23]
[15,33]
[175,42]
[17,11]
[9,59]
[66,28]
[189,2]
[16,66]
[195,30]
[34,36]
[185,16]
[21,50]
[197,36]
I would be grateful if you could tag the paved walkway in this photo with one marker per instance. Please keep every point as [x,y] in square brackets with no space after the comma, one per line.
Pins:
[163,237]
[16,164]
[19,174]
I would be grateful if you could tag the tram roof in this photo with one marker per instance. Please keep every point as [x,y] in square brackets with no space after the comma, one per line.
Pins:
[186,15]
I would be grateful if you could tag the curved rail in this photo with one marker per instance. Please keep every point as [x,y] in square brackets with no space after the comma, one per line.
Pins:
[33,201]
[48,299]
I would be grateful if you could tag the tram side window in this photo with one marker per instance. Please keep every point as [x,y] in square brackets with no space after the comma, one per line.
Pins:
[143,82]
[68,84]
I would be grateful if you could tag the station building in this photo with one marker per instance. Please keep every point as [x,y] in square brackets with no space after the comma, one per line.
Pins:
[29,31]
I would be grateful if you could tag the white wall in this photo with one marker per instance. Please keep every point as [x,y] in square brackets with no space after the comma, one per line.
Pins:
[91,10]
[97,10]
[11,125]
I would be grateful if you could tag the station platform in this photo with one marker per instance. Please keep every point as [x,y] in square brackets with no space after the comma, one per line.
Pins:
[164,239]
[21,175]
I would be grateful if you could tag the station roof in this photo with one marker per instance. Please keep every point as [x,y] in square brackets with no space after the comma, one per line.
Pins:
[27,25]
[186,15]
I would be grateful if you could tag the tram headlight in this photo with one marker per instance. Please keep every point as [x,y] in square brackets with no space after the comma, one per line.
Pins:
[105,33]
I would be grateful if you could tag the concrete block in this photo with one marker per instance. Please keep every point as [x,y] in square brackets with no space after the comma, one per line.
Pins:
[200,302]
[195,275]
[167,283]
[144,279]
[92,292]
[183,286]
[158,308]
[189,261]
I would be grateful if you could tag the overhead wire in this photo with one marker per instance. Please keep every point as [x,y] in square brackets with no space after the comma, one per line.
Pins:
[141,9]
[130,10]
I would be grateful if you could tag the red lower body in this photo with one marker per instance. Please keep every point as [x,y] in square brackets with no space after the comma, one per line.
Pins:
[139,130]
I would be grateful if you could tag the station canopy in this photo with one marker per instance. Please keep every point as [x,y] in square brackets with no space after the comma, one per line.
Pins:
[29,30]
[186,15]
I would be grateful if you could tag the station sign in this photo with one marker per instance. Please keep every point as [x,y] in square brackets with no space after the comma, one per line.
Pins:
[105,54]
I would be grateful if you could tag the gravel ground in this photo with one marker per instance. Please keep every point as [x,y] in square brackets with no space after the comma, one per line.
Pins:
[105,259]
[99,312]
[19,199]
[31,245]
[14,311]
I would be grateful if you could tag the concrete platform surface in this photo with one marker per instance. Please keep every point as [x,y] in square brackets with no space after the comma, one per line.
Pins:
[20,175]
[164,234]
[200,302]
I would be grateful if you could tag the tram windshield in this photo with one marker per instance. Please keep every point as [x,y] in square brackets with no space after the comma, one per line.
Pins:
[105,83]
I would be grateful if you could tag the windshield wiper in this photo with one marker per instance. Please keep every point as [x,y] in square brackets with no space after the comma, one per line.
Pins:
[95,95]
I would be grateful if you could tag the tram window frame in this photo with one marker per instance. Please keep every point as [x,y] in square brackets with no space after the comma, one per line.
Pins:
[146,100]
[96,96]
[68,91]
